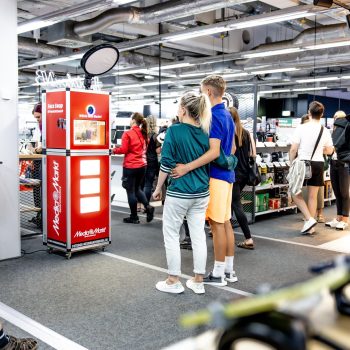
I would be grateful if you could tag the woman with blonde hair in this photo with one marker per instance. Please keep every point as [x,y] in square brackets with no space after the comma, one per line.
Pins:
[340,182]
[153,149]
[186,196]
[245,148]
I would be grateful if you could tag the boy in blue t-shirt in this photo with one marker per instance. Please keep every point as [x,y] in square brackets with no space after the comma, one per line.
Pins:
[221,180]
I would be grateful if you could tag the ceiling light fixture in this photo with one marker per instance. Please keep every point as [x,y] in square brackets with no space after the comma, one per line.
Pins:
[172,66]
[278,91]
[55,60]
[153,83]
[131,71]
[310,89]
[328,45]
[194,34]
[196,74]
[235,75]
[278,70]
[32,25]
[273,52]
[270,19]
[311,80]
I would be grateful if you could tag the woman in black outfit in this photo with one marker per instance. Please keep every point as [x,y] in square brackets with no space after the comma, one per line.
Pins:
[340,180]
[153,149]
[245,147]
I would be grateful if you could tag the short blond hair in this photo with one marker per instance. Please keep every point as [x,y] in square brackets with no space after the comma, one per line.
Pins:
[217,82]
[339,114]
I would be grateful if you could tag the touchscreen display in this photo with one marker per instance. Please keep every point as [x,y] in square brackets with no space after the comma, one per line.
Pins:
[89,132]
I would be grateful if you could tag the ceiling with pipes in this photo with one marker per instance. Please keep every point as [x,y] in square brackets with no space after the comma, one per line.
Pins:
[284,46]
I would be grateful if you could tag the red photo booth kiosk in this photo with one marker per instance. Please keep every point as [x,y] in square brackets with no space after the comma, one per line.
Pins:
[76,170]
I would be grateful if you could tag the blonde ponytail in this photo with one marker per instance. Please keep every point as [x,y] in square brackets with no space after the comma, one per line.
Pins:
[204,113]
[198,108]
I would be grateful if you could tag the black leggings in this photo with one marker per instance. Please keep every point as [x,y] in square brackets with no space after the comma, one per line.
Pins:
[340,183]
[237,208]
[131,181]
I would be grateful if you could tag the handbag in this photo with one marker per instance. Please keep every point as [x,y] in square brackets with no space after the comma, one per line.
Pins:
[226,162]
[308,167]
[253,173]
[254,176]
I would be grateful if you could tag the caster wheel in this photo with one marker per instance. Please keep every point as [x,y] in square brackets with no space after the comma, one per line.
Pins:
[68,256]
[49,250]
[103,249]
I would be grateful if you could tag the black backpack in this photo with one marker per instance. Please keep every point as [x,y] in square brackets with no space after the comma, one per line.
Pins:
[341,138]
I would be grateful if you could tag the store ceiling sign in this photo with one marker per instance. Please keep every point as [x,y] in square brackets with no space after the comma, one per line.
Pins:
[48,79]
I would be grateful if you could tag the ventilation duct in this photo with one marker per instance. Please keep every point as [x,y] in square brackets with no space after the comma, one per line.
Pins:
[307,37]
[31,47]
[158,13]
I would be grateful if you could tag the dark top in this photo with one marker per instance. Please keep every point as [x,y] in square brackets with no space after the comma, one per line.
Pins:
[242,154]
[151,154]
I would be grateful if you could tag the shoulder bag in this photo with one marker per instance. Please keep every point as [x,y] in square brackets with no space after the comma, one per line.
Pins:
[308,168]
[253,175]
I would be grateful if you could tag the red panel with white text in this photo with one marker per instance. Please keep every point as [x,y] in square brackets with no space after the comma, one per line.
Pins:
[56,200]
[89,114]
[56,120]
[89,200]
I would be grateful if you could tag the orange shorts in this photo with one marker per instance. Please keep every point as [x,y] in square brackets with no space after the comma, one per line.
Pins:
[219,208]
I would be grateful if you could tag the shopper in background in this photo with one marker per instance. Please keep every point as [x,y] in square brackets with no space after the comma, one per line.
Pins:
[304,144]
[37,164]
[245,148]
[187,196]
[340,180]
[153,149]
[134,146]
[8,342]
[221,180]
[320,194]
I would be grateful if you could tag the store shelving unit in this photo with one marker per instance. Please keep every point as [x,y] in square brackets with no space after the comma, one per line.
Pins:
[30,194]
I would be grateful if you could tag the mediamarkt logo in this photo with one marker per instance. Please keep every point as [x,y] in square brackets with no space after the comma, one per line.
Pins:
[90,233]
[56,198]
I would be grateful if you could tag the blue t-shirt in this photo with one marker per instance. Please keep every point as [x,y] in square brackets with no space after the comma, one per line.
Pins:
[222,128]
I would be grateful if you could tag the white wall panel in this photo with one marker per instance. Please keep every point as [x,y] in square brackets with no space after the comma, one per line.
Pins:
[9,189]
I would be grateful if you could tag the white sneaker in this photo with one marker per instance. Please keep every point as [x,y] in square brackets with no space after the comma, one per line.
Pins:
[342,225]
[308,225]
[231,277]
[175,288]
[197,287]
[332,223]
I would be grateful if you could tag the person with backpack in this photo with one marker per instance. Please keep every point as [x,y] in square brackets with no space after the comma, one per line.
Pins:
[339,172]
[134,146]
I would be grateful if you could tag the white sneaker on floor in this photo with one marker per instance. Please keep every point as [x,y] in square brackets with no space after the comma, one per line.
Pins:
[196,287]
[342,225]
[175,288]
[332,223]
[231,277]
[309,224]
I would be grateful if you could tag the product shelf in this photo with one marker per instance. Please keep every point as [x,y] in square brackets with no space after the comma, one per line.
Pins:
[275,210]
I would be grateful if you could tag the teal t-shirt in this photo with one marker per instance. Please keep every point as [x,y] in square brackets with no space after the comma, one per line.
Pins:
[184,143]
